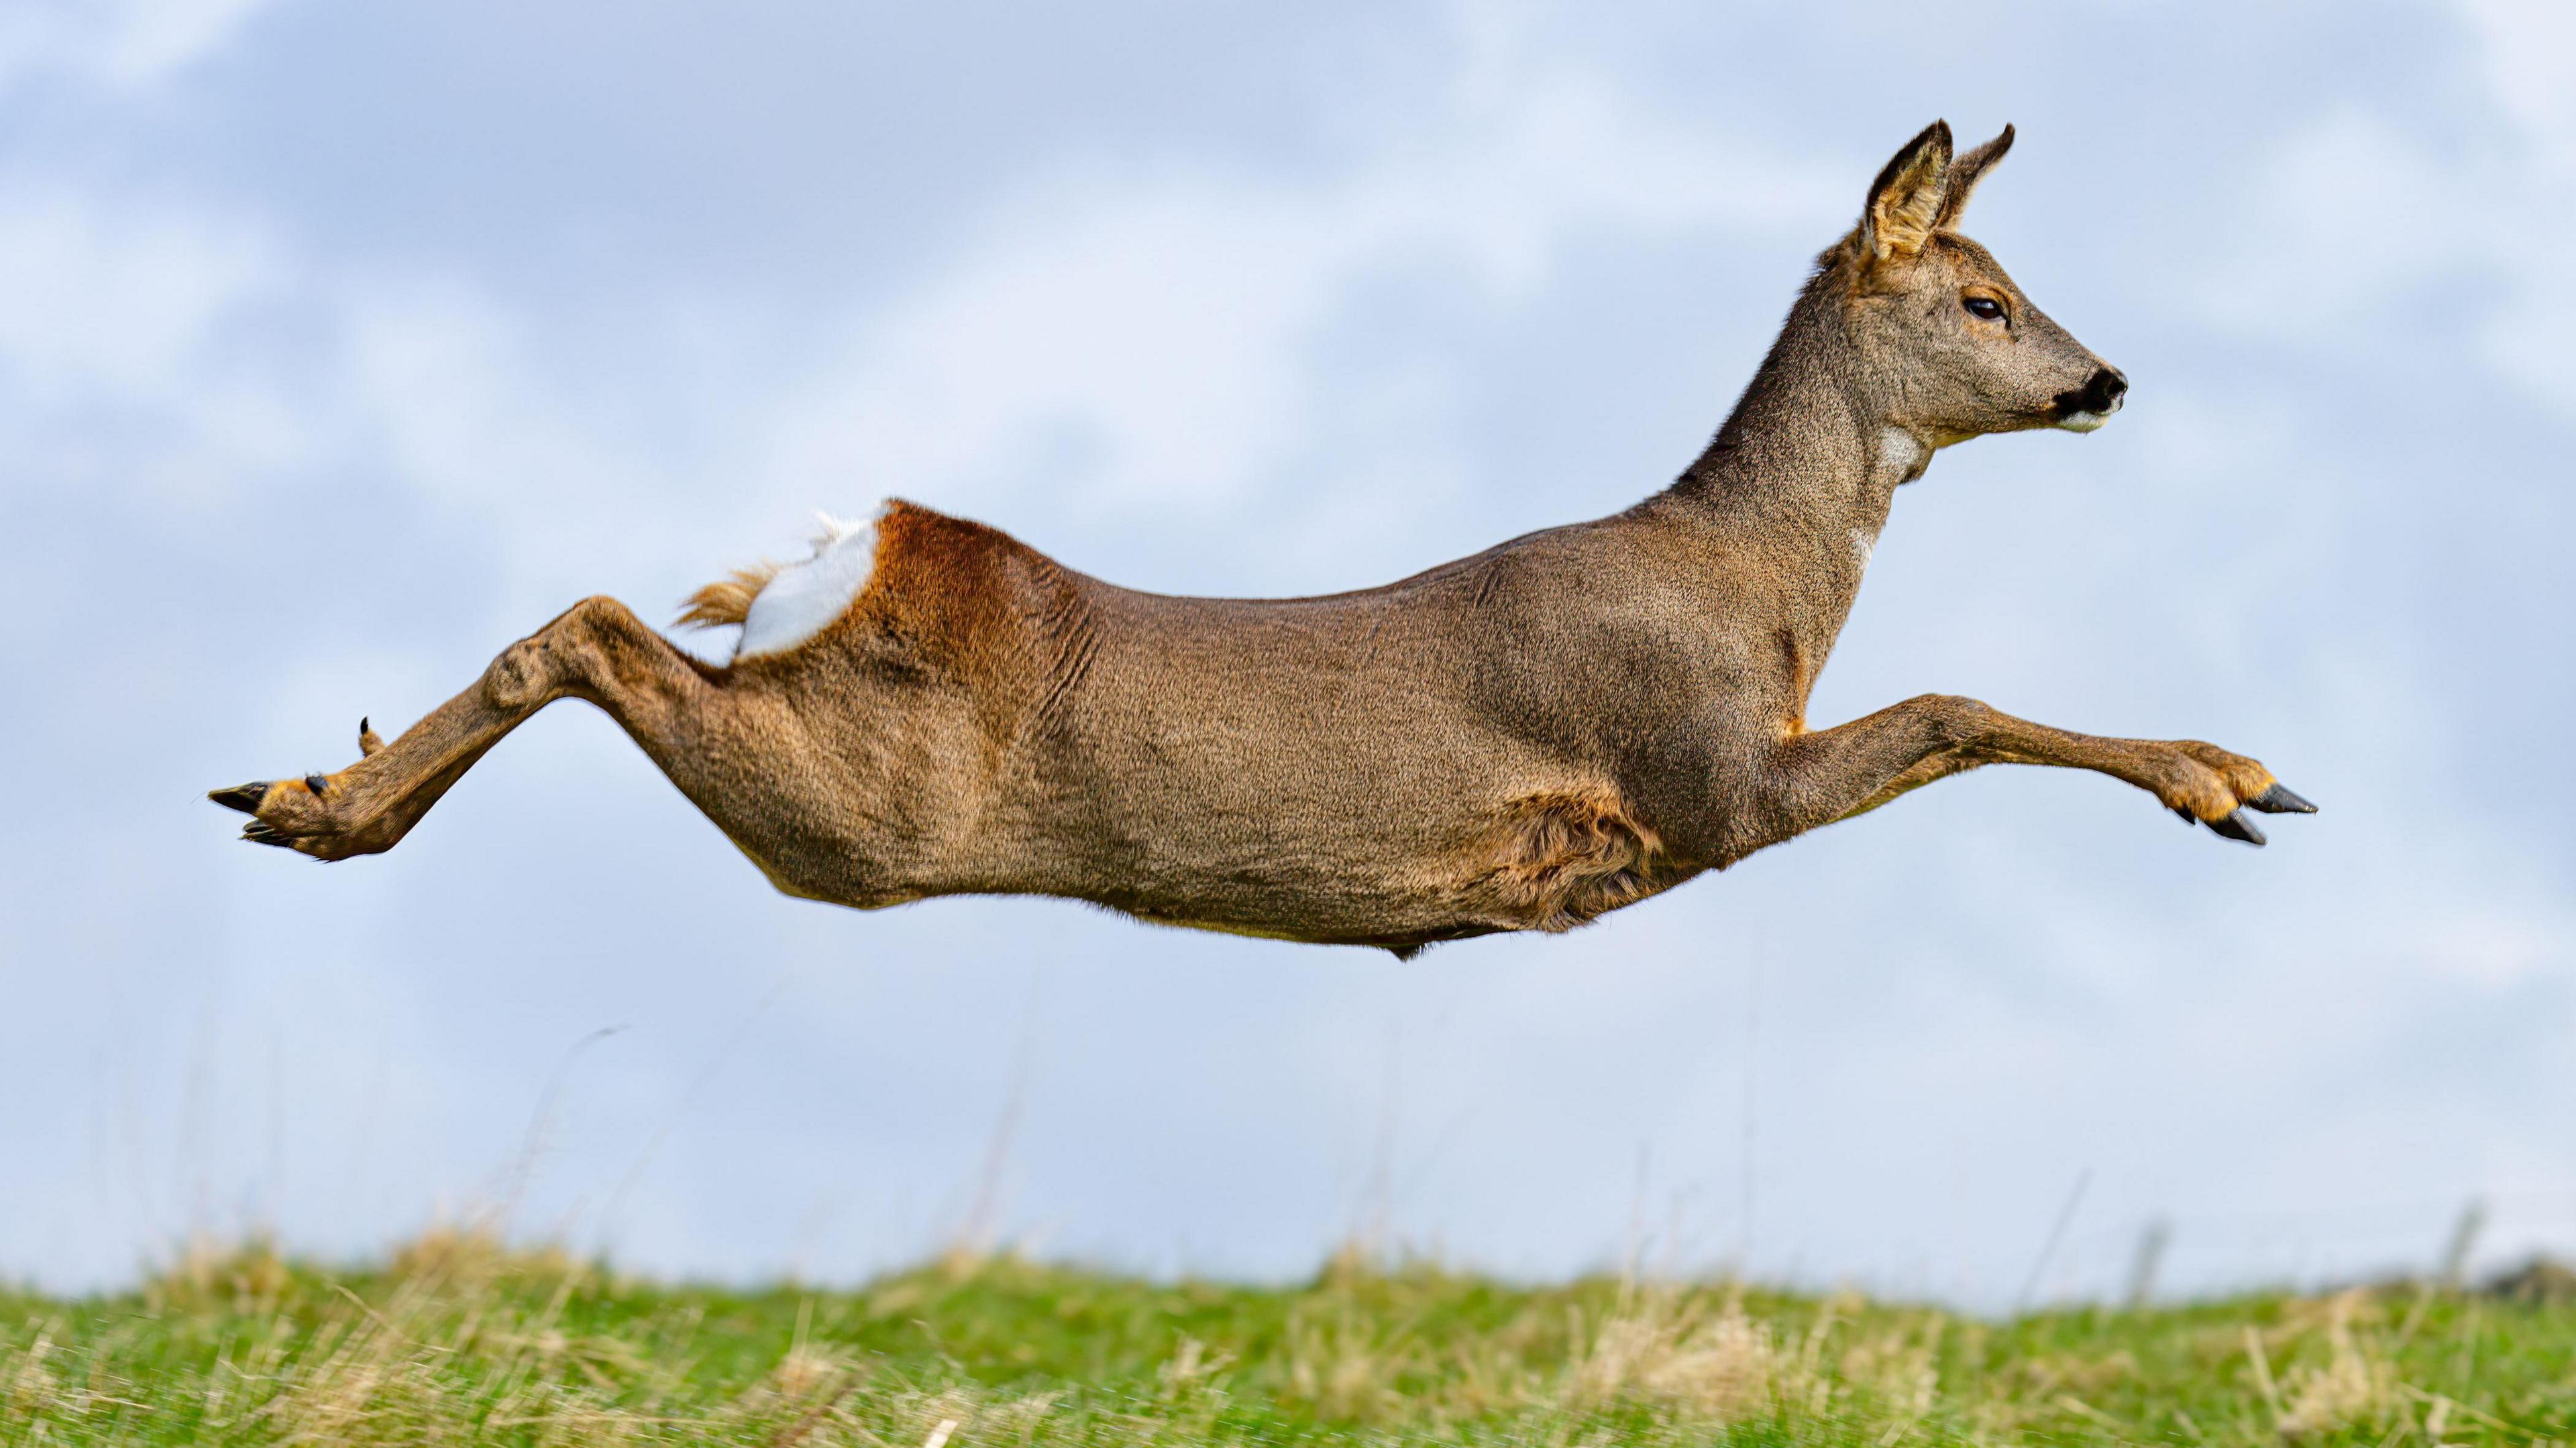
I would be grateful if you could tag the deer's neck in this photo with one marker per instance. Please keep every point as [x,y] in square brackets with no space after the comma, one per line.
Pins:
[1802,474]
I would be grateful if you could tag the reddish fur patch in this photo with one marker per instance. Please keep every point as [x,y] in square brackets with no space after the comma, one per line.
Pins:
[977,608]
[942,582]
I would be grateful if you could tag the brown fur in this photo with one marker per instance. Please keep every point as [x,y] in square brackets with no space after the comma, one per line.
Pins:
[1522,740]
[1559,860]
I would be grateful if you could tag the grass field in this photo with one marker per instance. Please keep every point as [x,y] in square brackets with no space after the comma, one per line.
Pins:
[457,1341]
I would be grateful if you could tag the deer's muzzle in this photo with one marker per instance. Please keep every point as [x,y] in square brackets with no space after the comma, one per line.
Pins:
[2091,405]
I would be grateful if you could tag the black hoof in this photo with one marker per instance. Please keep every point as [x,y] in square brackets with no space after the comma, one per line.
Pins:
[316,783]
[2186,816]
[2281,799]
[260,834]
[2237,827]
[243,797]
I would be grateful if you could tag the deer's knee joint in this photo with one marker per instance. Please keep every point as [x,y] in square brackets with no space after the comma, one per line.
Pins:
[521,676]
[576,649]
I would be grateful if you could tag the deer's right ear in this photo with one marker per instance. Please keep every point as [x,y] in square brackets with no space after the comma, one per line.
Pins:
[1905,200]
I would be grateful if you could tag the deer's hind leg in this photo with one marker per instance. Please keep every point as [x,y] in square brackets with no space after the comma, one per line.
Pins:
[596,650]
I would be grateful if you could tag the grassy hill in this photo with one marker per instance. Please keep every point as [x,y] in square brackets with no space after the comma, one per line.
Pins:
[456,1341]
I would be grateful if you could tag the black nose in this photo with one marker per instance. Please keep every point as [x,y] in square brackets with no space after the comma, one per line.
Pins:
[2105,390]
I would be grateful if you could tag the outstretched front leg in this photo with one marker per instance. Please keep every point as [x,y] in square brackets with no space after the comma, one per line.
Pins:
[596,650]
[1833,774]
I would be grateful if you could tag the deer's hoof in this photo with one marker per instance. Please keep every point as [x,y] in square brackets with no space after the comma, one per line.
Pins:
[243,797]
[2281,799]
[314,816]
[2235,826]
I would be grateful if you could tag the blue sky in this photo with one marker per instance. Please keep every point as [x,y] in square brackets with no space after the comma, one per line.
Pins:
[341,344]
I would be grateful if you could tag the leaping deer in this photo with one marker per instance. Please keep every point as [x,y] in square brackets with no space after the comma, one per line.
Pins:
[1525,739]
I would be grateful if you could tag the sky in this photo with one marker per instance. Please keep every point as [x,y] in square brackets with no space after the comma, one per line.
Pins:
[342,344]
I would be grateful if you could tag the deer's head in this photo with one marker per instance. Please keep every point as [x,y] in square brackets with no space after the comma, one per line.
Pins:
[1949,345]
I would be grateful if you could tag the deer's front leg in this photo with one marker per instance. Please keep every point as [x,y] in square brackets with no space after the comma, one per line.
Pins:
[1833,774]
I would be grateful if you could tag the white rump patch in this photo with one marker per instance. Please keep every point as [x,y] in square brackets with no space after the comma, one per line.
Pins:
[802,599]
[2084,421]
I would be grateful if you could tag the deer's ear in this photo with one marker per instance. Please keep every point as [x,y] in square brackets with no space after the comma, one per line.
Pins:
[1963,177]
[1905,200]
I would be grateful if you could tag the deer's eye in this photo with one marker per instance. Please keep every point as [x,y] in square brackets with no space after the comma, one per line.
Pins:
[1984,308]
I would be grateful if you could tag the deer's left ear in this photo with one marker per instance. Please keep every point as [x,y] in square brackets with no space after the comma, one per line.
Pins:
[1905,200]
[1963,176]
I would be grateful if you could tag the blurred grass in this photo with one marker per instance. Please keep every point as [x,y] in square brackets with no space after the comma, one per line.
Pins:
[458,1340]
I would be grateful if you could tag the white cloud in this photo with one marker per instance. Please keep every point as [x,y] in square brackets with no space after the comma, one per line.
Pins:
[1157,322]
[119,43]
[98,295]
[2529,51]
[1110,338]
[2355,207]
[113,308]
[2336,217]
[2527,46]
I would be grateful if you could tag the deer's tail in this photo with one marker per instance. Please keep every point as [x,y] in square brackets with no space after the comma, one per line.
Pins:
[780,605]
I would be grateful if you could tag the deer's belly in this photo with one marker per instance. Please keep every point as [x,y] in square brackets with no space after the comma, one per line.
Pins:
[1548,859]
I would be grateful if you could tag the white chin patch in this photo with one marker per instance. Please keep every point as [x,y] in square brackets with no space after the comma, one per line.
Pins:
[2084,421]
[802,599]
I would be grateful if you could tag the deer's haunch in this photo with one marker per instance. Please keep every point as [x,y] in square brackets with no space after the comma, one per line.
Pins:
[1521,740]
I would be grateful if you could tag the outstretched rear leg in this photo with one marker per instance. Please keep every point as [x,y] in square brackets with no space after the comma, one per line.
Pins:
[596,650]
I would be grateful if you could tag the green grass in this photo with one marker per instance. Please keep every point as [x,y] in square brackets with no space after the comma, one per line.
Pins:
[457,1341]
